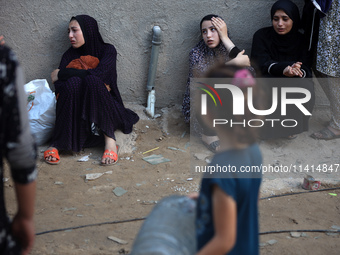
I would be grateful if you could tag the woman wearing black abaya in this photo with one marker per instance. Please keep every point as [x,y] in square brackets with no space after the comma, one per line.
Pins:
[89,106]
[279,51]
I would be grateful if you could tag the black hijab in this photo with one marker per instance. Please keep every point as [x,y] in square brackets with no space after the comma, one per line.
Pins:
[286,43]
[290,9]
[93,39]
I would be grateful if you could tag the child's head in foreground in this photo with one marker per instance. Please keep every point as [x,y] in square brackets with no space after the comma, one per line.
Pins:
[224,112]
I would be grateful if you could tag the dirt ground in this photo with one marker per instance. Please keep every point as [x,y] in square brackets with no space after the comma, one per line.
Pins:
[69,204]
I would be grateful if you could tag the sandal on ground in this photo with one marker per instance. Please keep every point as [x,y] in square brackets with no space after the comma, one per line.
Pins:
[111,155]
[212,146]
[324,134]
[52,153]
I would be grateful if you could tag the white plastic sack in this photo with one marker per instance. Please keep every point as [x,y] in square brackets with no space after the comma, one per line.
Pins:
[41,107]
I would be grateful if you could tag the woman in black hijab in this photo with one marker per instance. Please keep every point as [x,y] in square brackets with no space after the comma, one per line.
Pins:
[281,45]
[89,106]
[279,51]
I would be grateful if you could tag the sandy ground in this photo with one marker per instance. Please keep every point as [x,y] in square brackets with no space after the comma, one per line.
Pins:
[65,200]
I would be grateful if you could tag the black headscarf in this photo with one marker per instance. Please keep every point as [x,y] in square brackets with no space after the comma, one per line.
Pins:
[96,47]
[286,43]
[290,9]
[93,39]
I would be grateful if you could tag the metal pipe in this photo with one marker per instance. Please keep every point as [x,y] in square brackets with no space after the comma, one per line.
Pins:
[156,42]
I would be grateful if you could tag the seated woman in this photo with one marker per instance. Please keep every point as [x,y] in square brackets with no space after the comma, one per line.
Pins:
[279,51]
[215,47]
[89,106]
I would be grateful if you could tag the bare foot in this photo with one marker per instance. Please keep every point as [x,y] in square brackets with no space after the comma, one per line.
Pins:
[50,156]
[110,144]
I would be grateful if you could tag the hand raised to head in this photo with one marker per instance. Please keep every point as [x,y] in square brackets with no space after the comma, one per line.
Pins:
[220,26]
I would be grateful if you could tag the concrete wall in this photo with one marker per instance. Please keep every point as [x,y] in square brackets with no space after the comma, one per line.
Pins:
[37,31]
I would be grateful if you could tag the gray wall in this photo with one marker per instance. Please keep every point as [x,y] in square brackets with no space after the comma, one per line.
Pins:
[37,31]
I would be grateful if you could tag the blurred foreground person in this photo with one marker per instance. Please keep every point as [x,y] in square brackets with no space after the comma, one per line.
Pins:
[18,147]
[227,205]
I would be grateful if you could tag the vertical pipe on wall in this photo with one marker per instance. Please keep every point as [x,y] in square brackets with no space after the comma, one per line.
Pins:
[156,42]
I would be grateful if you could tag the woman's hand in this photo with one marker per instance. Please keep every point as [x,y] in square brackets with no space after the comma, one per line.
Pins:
[221,27]
[2,41]
[54,75]
[294,70]
[240,60]
[222,31]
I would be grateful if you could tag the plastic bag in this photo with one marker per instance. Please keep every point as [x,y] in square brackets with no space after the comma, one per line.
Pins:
[41,107]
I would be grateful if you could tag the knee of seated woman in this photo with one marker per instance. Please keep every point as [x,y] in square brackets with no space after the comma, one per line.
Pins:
[93,82]
[75,80]
[72,84]
[92,79]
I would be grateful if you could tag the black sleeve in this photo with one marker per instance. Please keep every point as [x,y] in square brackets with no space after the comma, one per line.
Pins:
[67,73]
[277,68]
[260,52]
[233,53]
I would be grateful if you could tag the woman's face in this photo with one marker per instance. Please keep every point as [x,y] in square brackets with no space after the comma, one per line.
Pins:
[282,24]
[75,34]
[210,34]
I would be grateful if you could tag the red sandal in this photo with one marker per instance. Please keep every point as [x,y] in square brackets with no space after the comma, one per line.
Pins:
[111,155]
[54,153]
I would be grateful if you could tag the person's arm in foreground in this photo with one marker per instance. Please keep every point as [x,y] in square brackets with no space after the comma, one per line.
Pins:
[225,222]
[23,224]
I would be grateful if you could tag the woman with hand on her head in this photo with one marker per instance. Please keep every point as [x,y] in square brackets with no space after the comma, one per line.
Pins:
[215,47]
[279,51]
[89,106]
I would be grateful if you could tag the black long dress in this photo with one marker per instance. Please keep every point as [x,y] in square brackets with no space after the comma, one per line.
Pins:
[83,99]
[271,53]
